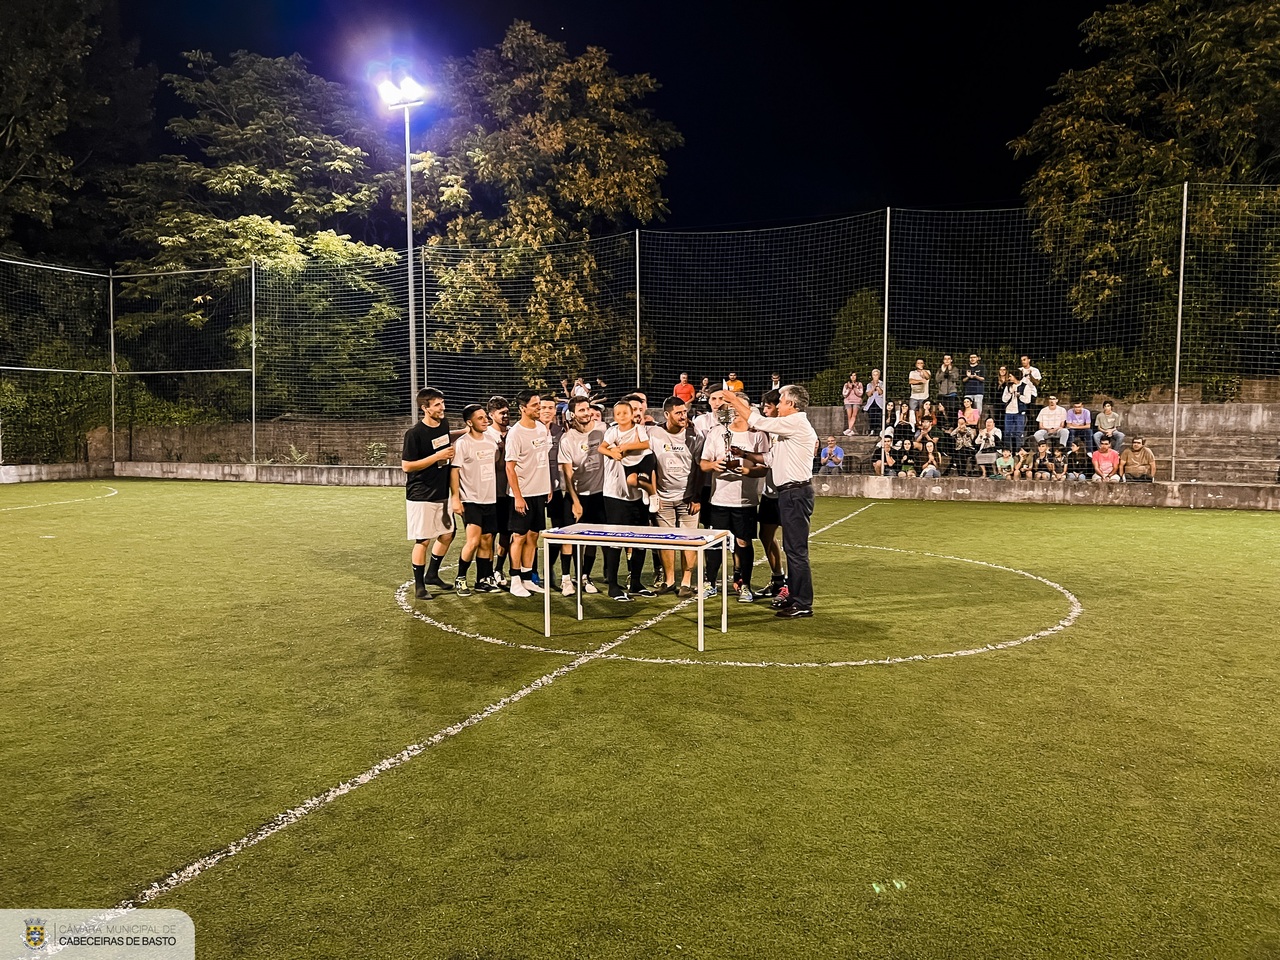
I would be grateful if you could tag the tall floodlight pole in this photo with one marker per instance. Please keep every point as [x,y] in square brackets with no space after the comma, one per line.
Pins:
[405,96]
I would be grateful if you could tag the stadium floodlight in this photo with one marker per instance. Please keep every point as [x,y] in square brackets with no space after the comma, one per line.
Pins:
[406,95]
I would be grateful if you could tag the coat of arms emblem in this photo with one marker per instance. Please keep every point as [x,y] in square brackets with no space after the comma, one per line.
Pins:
[35,934]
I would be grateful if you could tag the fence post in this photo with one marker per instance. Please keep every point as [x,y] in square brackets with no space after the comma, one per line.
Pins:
[884,339]
[637,309]
[1177,344]
[111,337]
[253,361]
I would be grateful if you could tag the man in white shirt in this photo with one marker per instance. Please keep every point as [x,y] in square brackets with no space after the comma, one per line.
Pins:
[791,462]
[734,458]
[528,453]
[474,484]
[676,452]
[1053,423]
[625,444]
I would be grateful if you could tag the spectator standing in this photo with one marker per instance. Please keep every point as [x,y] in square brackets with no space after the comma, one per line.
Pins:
[732,383]
[918,379]
[852,391]
[948,380]
[975,377]
[831,457]
[1016,396]
[874,405]
[775,382]
[1138,463]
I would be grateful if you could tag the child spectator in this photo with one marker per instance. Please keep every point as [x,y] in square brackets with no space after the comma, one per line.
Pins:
[1003,465]
[1024,464]
[1077,465]
[1048,465]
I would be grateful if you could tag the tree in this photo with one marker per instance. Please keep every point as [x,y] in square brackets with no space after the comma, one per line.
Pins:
[279,171]
[1182,90]
[539,150]
[73,109]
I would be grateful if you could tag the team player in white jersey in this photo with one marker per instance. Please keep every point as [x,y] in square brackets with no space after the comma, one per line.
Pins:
[583,469]
[735,492]
[474,485]
[624,445]
[676,451]
[528,456]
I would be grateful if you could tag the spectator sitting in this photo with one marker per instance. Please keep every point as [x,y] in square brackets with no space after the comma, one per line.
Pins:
[732,383]
[907,458]
[930,461]
[1108,424]
[1003,465]
[1106,463]
[832,457]
[684,389]
[1052,419]
[987,445]
[1138,463]
[1024,464]
[884,462]
[1048,464]
[971,413]
[903,431]
[1077,465]
[924,434]
[1079,426]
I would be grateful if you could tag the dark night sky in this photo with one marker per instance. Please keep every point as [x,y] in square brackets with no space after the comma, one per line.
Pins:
[790,112]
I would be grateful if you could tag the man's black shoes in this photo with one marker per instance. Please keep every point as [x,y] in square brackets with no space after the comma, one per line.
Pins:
[793,613]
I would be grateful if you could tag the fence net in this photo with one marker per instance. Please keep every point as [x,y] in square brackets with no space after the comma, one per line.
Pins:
[1113,299]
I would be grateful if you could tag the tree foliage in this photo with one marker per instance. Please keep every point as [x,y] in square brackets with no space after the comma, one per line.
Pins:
[1181,91]
[539,149]
[279,169]
[74,109]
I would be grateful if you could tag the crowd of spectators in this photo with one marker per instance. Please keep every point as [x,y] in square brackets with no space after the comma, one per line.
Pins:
[957,422]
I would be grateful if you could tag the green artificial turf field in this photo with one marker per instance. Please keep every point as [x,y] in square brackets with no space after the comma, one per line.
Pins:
[1096,775]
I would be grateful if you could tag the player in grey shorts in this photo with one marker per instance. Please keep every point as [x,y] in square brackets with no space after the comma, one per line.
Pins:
[676,450]
[583,467]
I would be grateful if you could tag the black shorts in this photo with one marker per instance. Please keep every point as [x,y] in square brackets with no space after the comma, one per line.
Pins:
[560,508]
[482,515]
[592,508]
[768,512]
[504,512]
[627,513]
[740,521]
[646,467]
[533,519]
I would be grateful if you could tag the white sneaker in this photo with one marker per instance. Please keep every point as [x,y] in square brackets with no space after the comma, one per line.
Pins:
[518,588]
[531,586]
[588,586]
[566,585]
[499,579]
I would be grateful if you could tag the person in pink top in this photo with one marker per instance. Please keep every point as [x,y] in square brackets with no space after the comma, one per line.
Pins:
[1106,463]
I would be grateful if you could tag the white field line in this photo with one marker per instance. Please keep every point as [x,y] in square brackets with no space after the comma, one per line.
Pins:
[57,503]
[289,817]
[320,800]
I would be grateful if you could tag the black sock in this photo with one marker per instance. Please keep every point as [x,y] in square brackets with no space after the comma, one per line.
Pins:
[419,575]
[484,568]
[463,567]
[566,564]
[779,578]
[433,569]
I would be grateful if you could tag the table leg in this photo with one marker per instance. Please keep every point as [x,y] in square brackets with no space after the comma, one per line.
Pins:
[546,590]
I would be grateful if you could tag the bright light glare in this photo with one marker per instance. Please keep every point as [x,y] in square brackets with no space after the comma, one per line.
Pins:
[407,94]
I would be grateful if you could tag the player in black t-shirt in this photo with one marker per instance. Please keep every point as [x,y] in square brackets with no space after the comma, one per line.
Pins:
[428,453]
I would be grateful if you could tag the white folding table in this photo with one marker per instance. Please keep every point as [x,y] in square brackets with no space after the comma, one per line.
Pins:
[579,535]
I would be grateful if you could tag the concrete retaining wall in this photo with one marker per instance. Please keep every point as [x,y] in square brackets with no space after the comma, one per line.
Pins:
[26,473]
[267,473]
